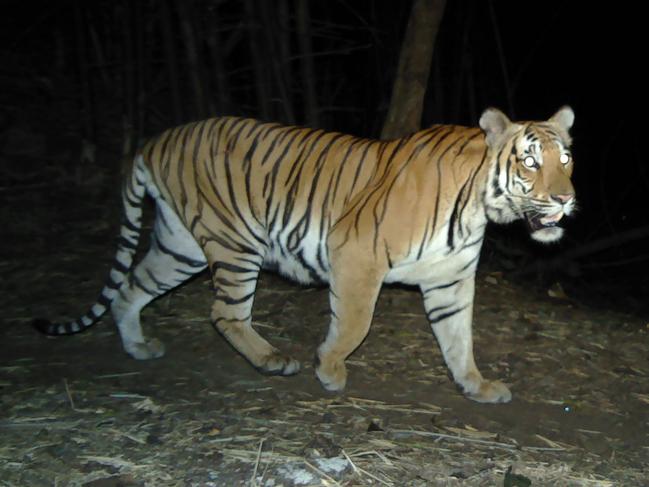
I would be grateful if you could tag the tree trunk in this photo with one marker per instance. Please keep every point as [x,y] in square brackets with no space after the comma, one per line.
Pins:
[272,35]
[258,61]
[306,63]
[406,103]
[87,152]
[128,116]
[187,28]
[171,62]
[219,73]
[503,61]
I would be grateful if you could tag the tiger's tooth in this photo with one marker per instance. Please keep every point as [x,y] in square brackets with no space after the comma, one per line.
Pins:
[552,218]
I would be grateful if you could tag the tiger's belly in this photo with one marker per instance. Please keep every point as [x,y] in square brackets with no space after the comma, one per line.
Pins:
[439,264]
[433,270]
[305,263]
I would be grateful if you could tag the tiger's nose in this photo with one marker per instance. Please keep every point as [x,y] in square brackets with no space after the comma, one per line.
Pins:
[562,198]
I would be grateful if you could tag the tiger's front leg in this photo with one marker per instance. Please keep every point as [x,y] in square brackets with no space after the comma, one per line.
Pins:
[355,282]
[449,308]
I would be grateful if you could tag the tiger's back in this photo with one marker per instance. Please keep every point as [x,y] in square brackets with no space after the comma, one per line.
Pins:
[287,186]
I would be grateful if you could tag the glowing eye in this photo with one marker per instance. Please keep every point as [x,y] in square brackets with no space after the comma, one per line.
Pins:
[564,158]
[529,161]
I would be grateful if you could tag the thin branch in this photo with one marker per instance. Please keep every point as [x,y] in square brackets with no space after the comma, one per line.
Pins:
[253,480]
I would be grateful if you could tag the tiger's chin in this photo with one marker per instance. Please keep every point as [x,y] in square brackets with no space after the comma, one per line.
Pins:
[545,228]
[547,235]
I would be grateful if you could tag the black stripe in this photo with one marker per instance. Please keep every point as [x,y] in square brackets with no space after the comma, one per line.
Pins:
[454,215]
[431,311]
[341,166]
[130,225]
[132,202]
[387,254]
[103,301]
[92,315]
[233,200]
[469,139]
[311,270]
[119,267]
[124,242]
[471,244]
[228,300]
[220,265]
[179,257]
[111,284]
[472,261]
[422,244]
[495,182]
[138,282]
[445,316]
[184,272]
[442,286]
[162,286]
[216,321]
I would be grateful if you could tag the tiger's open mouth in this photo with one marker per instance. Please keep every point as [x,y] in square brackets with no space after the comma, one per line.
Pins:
[537,221]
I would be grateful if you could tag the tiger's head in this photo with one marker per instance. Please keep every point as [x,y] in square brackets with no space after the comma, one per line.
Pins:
[529,176]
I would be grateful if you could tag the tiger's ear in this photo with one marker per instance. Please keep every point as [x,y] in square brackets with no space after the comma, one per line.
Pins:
[494,123]
[564,118]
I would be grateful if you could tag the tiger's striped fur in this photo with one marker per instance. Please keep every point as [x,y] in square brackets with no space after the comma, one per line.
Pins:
[236,195]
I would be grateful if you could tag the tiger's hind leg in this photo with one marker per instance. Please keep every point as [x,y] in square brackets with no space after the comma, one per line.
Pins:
[234,274]
[174,256]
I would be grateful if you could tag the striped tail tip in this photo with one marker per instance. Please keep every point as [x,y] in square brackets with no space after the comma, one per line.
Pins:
[46,327]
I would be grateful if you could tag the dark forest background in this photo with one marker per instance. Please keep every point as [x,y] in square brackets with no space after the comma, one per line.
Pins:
[83,83]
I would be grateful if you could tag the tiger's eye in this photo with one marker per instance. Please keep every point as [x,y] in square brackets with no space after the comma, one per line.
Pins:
[564,158]
[529,161]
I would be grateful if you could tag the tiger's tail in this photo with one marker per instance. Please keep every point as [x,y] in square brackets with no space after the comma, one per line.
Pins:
[133,193]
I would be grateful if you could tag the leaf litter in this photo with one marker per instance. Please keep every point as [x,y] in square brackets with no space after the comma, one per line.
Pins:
[76,411]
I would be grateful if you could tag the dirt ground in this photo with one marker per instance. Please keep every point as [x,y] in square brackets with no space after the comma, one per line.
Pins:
[78,411]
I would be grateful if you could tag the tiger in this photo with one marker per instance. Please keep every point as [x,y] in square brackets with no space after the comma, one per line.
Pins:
[238,195]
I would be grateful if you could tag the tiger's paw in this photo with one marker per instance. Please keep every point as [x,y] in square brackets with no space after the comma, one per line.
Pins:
[333,376]
[152,348]
[276,363]
[490,392]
